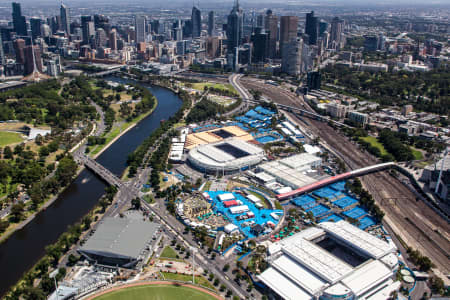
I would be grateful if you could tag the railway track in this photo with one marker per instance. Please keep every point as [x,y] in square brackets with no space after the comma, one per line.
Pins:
[396,200]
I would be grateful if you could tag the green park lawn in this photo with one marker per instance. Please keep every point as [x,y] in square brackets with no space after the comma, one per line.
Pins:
[188,278]
[156,292]
[417,154]
[375,143]
[8,138]
[201,85]
[168,252]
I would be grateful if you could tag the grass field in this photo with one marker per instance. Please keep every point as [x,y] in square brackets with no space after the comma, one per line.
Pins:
[8,138]
[198,279]
[201,85]
[156,292]
[168,252]
[375,143]
[417,153]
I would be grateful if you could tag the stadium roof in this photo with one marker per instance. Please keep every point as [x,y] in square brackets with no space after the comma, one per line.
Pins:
[121,236]
[283,286]
[318,260]
[301,269]
[366,277]
[359,239]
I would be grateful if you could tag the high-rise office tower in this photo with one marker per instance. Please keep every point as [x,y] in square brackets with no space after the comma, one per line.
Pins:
[271,26]
[235,27]
[211,24]
[113,39]
[35,24]
[141,29]
[196,19]
[100,38]
[260,45]
[291,61]
[288,30]
[2,53]
[32,59]
[65,19]
[19,48]
[311,28]
[88,28]
[19,21]
[101,21]
[337,28]
[323,26]
[260,22]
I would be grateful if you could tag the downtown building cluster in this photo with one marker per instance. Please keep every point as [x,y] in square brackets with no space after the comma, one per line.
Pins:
[238,41]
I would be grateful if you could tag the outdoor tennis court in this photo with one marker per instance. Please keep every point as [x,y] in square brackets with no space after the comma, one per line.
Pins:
[356,213]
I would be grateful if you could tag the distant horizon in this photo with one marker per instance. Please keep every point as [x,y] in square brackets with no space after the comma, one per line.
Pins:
[336,3]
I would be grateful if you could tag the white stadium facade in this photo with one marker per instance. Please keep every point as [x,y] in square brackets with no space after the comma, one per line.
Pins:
[226,156]
[332,261]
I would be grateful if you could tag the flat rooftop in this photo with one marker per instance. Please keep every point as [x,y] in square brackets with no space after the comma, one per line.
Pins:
[121,236]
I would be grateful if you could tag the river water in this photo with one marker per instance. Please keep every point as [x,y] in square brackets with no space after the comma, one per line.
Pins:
[26,246]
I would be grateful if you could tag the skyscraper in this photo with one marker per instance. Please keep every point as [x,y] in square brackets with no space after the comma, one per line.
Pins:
[32,57]
[2,52]
[291,61]
[337,27]
[323,26]
[65,19]
[141,29]
[271,26]
[35,24]
[311,28]
[211,24]
[196,19]
[288,30]
[113,39]
[19,48]
[235,27]
[88,28]
[260,45]
[19,21]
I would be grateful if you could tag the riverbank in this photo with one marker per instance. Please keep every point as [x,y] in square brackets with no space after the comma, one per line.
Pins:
[81,196]
[116,133]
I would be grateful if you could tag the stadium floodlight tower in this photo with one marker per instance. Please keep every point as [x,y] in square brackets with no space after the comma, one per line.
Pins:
[440,172]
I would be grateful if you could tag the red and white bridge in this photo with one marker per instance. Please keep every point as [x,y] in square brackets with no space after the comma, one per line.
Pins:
[310,187]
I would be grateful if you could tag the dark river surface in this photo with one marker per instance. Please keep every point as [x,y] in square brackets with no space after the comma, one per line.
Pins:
[26,246]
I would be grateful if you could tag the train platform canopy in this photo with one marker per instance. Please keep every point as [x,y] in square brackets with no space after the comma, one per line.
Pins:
[119,241]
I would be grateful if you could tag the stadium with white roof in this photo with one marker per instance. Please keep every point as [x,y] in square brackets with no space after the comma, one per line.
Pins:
[226,156]
[332,261]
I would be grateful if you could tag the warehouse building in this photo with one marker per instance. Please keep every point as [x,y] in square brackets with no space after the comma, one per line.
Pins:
[332,261]
[293,171]
[120,242]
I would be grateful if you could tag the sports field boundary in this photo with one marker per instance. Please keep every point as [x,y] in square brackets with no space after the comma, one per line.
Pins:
[98,293]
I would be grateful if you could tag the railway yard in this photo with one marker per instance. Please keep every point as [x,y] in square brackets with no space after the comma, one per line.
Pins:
[412,220]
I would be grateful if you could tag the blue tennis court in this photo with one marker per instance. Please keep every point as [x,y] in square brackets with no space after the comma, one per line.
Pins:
[331,218]
[264,111]
[356,213]
[262,216]
[345,202]
[305,202]
[319,211]
[338,186]
[327,193]
[366,222]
